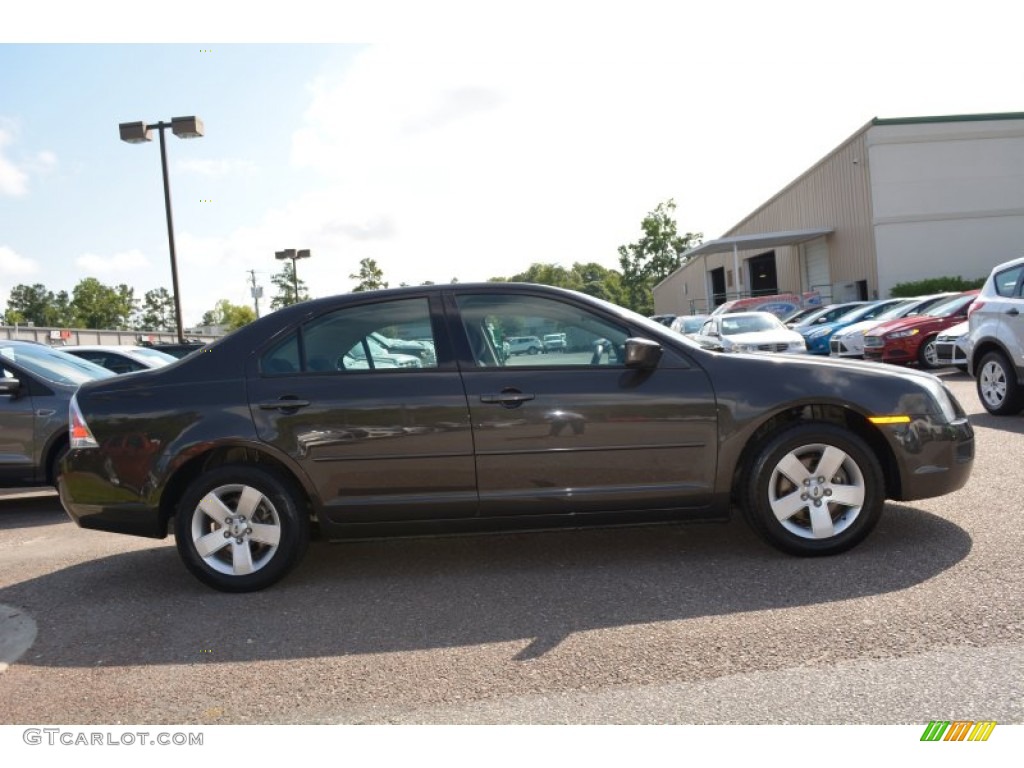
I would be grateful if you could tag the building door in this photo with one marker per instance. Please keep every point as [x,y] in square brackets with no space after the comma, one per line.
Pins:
[763,277]
[717,287]
[816,268]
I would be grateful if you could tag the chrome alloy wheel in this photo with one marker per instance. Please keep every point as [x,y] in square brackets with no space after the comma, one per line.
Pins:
[992,383]
[816,491]
[235,529]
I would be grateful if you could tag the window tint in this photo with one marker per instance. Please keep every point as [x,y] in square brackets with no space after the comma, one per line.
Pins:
[507,330]
[393,335]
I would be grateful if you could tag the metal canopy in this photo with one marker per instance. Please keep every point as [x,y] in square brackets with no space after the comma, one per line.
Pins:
[763,240]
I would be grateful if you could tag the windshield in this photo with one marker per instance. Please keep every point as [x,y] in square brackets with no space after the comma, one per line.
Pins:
[154,354]
[52,365]
[749,324]
[951,307]
[897,310]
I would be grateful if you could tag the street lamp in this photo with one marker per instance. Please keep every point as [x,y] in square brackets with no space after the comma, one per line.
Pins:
[138,133]
[294,255]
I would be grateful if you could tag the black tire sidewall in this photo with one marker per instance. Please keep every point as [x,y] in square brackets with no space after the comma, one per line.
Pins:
[294,526]
[758,510]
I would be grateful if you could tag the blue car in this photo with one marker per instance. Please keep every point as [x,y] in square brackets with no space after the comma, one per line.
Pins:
[818,336]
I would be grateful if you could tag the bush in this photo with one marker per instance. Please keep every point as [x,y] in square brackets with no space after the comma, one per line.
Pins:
[935,285]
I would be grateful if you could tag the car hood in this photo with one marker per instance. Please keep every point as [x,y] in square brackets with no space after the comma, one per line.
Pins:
[924,323]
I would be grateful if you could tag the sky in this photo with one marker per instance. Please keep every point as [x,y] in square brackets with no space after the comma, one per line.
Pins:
[443,139]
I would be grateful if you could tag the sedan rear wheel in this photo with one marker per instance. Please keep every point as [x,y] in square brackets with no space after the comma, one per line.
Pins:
[997,384]
[814,489]
[239,528]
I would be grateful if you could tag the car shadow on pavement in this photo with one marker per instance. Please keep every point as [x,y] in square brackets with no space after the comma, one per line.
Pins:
[1011,424]
[143,608]
[28,511]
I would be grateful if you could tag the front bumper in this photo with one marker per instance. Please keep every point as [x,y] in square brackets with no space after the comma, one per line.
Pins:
[935,458]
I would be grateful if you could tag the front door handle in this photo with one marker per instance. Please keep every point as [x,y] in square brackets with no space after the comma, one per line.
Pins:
[283,404]
[508,398]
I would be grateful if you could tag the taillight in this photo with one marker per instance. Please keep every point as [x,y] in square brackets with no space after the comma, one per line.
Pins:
[975,306]
[79,432]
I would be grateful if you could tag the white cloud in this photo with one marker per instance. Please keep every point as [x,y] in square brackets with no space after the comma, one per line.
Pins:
[116,263]
[13,180]
[13,264]
[216,168]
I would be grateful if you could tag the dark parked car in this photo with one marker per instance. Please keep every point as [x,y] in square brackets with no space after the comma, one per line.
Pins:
[251,447]
[36,385]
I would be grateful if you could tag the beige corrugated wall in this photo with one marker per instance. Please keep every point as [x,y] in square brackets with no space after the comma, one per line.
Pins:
[835,193]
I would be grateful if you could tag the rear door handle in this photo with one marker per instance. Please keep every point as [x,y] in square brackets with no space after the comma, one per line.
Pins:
[284,404]
[1013,312]
[507,398]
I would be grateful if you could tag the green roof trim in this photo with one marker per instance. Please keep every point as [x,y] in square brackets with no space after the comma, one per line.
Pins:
[949,118]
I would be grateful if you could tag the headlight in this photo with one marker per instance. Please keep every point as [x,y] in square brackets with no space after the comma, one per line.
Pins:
[942,398]
[903,334]
[818,334]
[797,346]
[741,348]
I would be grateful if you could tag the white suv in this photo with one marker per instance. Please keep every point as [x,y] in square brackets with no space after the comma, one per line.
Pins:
[995,346]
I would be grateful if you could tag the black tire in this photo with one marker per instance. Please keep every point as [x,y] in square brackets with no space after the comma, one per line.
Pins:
[534,350]
[998,388]
[927,355]
[798,451]
[53,468]
[245,560]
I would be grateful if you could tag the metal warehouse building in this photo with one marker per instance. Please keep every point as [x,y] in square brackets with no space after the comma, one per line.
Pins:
[900,200]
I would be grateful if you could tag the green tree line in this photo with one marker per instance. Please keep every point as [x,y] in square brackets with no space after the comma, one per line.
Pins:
[657,252]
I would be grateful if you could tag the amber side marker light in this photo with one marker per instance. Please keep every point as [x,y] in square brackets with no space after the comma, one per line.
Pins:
[889,419]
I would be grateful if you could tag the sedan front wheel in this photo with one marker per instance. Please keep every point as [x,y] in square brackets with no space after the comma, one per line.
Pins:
[814,489]
[238,528]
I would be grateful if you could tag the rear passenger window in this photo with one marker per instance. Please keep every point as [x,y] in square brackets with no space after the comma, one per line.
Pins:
[391,335]
[1006,281]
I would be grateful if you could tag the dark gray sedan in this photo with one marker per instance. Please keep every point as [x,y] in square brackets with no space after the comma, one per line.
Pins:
[256,442]
[36,385]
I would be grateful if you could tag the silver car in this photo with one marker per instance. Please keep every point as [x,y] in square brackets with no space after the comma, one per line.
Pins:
[749,332]
[36,385]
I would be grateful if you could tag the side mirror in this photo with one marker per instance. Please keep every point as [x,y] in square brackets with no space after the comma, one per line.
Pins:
[642,353]
[10,387]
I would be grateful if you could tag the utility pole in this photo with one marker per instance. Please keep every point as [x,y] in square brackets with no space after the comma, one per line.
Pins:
[256,291]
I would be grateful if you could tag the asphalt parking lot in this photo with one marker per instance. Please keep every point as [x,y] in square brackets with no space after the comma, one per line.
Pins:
[659,624]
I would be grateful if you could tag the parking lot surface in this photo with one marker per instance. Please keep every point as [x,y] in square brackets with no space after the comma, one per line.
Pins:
[657,624]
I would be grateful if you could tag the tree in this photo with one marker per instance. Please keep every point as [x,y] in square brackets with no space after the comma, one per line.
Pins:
[590,278]
[32,304]
[95,305]
[370,277]
[285,283]
[232,316]
[157,312]
[653,257]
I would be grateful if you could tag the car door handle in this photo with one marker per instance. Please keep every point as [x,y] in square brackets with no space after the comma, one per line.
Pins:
[284,404]
[1013,312]
[507,398]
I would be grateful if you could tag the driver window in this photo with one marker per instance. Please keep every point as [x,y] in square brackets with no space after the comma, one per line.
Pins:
[516,330]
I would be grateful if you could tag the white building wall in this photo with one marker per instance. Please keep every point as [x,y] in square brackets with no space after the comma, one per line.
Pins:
[948,198]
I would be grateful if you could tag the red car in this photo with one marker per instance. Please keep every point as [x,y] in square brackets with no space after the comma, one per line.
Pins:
[912,339]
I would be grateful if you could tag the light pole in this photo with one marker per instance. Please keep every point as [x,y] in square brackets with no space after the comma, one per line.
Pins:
[138,133]
[294,255]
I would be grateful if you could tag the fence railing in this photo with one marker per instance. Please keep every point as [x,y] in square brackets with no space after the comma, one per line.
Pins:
[59,337]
